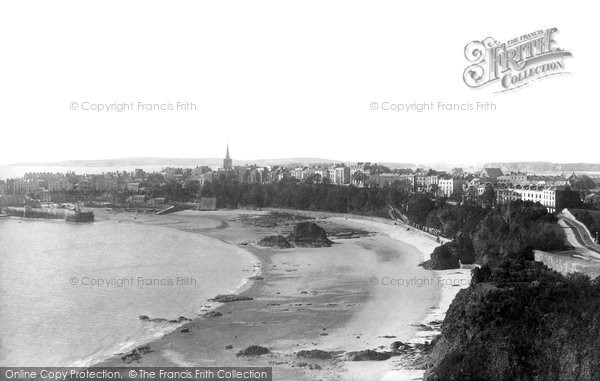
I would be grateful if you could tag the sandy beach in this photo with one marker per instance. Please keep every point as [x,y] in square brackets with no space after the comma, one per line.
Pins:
[366,291]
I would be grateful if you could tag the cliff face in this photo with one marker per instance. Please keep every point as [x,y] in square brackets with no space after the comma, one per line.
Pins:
[520,321]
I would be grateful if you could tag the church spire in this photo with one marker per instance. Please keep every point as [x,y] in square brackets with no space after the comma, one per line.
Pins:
[227,162]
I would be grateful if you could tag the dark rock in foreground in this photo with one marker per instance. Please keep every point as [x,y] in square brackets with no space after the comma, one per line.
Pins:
[520,321]
[442,258]
[309,366]
[315,354]
[368,355]
[276,241]
[253,350]
[309,234]
[226,298]
[451,254]
[399,345]
[135,354]
[180,319]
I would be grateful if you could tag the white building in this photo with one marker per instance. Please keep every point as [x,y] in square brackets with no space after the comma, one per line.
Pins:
[342,175]
[448,186]
[547,196]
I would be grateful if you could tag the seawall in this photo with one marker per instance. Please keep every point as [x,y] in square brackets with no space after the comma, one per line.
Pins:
[36,212]
[566,264]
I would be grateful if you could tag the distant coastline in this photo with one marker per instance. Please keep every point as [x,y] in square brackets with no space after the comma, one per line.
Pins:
[525,166]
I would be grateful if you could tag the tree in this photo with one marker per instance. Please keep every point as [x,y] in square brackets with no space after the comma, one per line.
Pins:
[584,182]
[488,198]
[358,178]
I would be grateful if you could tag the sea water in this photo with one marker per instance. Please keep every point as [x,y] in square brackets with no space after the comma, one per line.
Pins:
[71,294]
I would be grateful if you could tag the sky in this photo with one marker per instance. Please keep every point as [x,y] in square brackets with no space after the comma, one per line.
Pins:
[277,79]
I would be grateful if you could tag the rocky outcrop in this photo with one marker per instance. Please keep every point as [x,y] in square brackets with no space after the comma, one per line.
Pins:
[275,241]
[451,254]
[136,354]
[227,298]
[181,319]
[442,258]
[309,234]
[253,350]
[315,354]
[520,321]
[308,366]
[399,346]
[367,355]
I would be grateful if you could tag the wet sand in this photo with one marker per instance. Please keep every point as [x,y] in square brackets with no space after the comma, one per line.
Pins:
[343,298]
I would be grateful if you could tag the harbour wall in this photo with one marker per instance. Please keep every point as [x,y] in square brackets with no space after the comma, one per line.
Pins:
[36,212]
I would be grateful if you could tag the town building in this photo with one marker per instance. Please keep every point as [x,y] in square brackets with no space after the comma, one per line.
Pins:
[321,175]
[386,179]
[448,185]
[133,187]
[341,175]
[359,174]
[554,198]
[137,199]
[491,174]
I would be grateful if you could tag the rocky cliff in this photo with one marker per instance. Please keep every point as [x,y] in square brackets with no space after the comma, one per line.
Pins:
[520,321]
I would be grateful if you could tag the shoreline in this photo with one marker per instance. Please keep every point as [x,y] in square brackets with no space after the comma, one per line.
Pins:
[137,334]
[207,307]
[451,282]
[420,241]
[126,348]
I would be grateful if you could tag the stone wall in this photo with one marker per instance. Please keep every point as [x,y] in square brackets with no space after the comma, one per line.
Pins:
[566,264]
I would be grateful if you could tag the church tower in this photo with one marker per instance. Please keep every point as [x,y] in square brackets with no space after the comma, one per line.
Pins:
[227,161]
